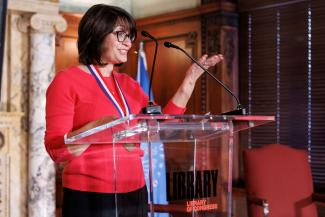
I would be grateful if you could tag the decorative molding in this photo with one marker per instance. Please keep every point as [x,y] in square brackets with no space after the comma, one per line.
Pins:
[212,25]
[2,140]
[34,6]
[185,14]
[4,186]
[229,38]
[48,23]
[204,93]
[10,118]
[213,41]
[22,23]
[42,23]
[12,182]
[190,42]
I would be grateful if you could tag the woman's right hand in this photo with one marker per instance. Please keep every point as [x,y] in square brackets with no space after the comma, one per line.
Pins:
[78,149]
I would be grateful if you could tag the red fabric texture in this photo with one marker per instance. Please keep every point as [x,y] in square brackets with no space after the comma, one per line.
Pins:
[74,99]
[281,175]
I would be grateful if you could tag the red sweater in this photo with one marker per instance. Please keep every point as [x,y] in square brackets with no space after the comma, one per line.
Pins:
[73,99]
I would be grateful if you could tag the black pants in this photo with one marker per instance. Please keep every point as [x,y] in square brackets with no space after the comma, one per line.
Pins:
[91,204]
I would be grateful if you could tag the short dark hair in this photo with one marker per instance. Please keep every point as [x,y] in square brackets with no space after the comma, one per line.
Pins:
[95,25]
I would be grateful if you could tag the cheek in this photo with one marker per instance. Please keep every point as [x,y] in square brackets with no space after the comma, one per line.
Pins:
[108,51]
[108,46]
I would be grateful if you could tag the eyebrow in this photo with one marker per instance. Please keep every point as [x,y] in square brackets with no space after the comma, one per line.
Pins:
[123,29]
[119,28]
[122,25]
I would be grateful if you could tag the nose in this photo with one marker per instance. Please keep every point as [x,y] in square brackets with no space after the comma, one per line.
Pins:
[127,42]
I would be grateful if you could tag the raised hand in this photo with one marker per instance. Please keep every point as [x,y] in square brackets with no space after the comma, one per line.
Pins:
[184,92]
[194,72]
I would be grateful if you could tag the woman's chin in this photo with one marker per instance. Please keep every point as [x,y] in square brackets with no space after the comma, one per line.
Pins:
[120,62]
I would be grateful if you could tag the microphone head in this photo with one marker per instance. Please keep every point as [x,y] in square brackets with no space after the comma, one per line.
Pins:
[169,44]
[144,33]
[147,34]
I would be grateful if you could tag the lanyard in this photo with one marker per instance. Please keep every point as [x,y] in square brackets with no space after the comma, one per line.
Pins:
[107,92]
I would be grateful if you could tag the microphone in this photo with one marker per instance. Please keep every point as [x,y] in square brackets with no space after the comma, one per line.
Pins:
[147,34]
[239,110]
[151,108]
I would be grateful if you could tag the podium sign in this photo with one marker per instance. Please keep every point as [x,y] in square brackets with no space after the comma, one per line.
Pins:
[199,157]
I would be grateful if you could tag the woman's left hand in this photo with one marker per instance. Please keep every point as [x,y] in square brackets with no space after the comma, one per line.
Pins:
[184,92]
[195,71]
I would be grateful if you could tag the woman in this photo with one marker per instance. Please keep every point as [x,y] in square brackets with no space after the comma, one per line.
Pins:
[90,94]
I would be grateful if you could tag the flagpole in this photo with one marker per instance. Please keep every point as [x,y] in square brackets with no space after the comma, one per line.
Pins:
[153,150]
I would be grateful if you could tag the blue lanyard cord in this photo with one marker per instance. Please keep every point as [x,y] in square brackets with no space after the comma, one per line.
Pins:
[109,95]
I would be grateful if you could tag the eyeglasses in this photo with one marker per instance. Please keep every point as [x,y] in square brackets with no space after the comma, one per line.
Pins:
[121,36]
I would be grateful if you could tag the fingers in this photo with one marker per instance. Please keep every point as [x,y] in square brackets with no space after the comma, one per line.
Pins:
[203,58]
[210,61]
[195,71]
[220,57]
[213,60]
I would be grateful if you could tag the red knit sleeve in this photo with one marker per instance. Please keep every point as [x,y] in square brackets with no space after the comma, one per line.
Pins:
[59,117]
[171,108]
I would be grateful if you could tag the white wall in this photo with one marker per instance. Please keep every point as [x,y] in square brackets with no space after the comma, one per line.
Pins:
[138,8]
[145,8]
[81,6]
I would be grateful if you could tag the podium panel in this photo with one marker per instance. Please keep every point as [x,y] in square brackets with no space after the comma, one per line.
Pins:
[196,179]
[197,152]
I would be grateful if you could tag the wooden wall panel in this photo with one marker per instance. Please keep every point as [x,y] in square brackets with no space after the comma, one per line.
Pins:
[171,64]
[66,52]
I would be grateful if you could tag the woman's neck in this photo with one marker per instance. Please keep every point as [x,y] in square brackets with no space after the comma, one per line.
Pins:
[106,70]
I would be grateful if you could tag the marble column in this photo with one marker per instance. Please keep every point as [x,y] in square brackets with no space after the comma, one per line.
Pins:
[41,168]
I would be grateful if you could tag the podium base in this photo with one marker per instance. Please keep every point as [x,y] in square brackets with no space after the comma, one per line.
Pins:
[240,111]
[151,109]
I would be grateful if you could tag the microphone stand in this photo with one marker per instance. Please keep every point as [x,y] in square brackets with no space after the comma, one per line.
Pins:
[239,110]
[151,108]
[152,71]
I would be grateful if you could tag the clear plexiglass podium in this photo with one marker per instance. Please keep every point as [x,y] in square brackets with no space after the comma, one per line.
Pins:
[195,151]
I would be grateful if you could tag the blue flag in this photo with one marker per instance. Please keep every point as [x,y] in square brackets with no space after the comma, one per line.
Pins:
[142,74]
[157,149]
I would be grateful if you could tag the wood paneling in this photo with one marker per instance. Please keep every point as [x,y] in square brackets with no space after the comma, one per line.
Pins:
[171,64]
[66,52]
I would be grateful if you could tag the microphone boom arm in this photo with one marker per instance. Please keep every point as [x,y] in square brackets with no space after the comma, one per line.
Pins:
[240,109]
[216,79]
